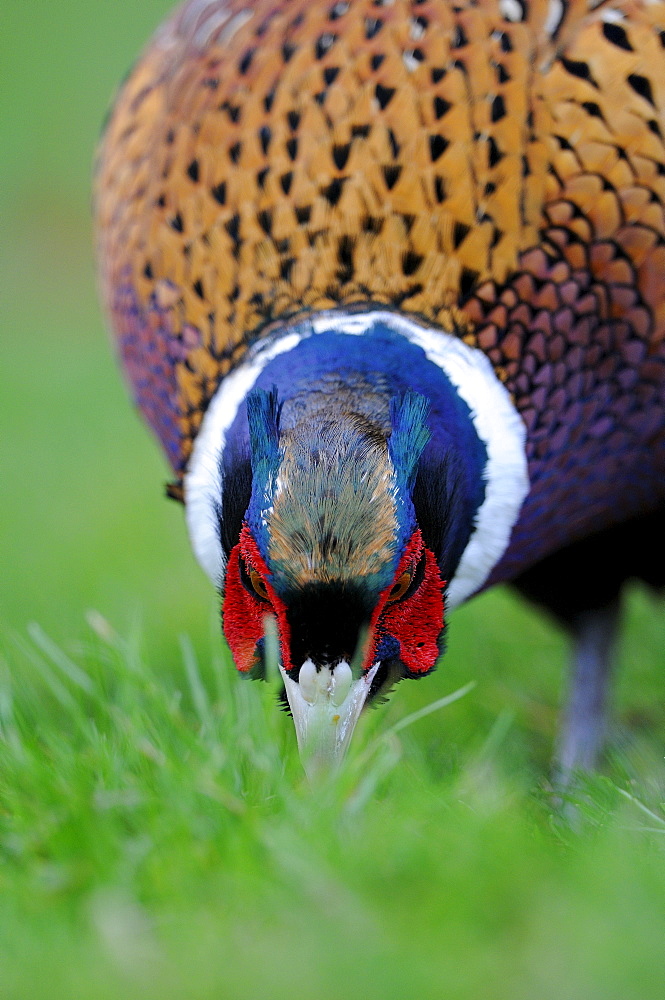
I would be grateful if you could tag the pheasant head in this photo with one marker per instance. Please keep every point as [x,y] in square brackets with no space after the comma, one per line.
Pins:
[331,551]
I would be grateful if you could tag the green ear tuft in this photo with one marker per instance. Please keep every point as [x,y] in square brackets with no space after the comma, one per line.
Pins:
[263,419]
[410,434]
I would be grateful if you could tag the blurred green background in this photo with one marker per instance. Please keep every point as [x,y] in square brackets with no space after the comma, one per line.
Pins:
[84,523]
[441,867]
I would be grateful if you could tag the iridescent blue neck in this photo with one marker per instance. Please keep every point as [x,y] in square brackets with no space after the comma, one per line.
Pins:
[336,367]
[339,379]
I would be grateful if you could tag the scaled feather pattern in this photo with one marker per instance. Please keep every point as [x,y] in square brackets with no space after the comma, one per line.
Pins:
[500,178]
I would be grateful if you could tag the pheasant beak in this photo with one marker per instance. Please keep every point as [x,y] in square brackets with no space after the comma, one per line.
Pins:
[326,704]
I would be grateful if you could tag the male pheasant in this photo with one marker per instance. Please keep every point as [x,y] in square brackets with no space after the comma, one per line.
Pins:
[388,283]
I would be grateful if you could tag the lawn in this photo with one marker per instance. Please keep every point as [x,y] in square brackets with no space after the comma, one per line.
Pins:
[157,836]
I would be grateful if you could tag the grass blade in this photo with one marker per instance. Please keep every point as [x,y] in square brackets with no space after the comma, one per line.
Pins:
[434,706]
[196,686]
[60,659]
[641,806]
[59,691]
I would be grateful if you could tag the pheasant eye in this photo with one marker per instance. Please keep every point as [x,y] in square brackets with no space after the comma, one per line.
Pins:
[258,584]
[400,587]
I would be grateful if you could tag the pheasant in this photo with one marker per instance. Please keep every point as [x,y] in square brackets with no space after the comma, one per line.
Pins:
[387,282]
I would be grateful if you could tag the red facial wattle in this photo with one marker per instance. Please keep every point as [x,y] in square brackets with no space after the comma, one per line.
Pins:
[244,613]
[414,622]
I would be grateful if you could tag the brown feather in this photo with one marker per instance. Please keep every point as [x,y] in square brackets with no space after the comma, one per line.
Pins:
[441,159]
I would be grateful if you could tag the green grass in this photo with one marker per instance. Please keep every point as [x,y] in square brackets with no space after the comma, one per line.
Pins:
[157,836]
